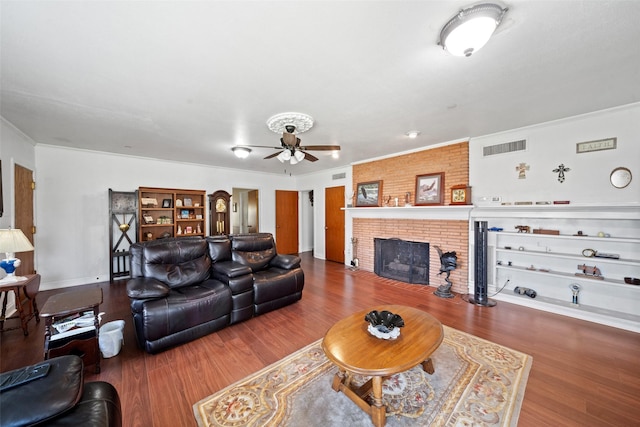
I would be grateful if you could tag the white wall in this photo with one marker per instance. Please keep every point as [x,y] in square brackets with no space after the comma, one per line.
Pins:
[15,148]
[553,143]
[73,210]
[318,182]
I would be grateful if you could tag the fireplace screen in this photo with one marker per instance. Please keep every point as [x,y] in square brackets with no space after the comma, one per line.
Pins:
[402,260]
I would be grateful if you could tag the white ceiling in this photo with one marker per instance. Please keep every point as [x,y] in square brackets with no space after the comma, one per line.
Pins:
[187,80]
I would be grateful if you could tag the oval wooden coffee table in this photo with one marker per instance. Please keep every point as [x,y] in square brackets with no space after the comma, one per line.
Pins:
[354,350]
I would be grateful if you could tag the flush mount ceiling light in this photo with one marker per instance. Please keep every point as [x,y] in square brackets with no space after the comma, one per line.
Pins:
[413,134]
[301,121]
[471,29]
[241,152]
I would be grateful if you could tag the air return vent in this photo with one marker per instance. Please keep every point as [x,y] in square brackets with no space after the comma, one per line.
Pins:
[506,147]
[339,175]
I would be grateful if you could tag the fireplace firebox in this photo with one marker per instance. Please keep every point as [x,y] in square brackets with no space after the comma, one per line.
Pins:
[402,260]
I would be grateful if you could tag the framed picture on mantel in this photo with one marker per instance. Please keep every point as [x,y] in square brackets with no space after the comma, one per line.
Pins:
[429,189]
[368,194]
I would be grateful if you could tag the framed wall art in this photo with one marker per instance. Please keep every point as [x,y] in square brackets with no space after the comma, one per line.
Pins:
[368,194]
[429,189]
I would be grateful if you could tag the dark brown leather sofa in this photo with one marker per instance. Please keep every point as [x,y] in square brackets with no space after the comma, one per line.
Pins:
[185,288]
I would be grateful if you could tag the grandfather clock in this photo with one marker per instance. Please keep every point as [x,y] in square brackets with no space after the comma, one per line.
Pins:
[219,213]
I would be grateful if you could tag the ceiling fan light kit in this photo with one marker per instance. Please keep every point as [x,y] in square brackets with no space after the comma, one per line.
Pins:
[241,152]
[470,29]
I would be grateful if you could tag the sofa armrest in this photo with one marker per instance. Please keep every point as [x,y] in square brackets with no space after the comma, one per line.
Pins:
[287,262]
[231,268]
[146,287]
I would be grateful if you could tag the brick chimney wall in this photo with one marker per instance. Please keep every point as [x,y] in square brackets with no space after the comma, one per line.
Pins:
[398,176]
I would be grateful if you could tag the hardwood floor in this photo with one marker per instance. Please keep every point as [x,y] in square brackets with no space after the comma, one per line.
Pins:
[583,374]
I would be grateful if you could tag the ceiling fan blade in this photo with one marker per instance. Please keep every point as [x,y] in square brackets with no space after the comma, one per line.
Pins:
[321,147]
[271,156]
[263,146]
[309,157]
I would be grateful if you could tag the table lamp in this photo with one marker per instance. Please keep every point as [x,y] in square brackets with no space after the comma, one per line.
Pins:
[11,242]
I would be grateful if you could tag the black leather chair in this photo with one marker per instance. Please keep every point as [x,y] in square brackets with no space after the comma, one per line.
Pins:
[61,398]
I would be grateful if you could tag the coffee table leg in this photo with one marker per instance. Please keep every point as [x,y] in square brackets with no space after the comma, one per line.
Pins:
[427,366]
[378,410]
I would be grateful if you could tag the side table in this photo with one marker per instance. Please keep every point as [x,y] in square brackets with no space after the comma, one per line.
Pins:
[18,287]
[85,343]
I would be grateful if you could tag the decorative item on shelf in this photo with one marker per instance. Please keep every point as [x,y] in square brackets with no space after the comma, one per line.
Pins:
[592,272]
[545,231]
[523,228]
[369,194]
[148,219]
[12,240]
[575,290]
[198,229]
[166,203]
[560,170]
[590,253]
[522,168]
[384,324]
[149,202]
[387,201]
[349,199]
[580,234]
[448,263]
[187,201]
[407,198]
[188,230]
[523,203]
[429,189]
[149,236]
[603,234]
[178,203]
[184,214]
[460,195]
[632,281]
[561,202]
[179,230]
[525,291]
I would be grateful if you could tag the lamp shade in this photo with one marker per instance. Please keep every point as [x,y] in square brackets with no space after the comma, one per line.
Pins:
[299,155]
[471,28]
[13,240]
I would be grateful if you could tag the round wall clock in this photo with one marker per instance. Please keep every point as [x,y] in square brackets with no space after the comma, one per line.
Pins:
[620,177]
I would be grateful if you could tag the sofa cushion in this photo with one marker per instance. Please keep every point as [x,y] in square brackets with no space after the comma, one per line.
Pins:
[185,308]
[177,263]
[254,250]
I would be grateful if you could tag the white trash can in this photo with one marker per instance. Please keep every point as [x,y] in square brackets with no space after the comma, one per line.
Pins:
[111,338]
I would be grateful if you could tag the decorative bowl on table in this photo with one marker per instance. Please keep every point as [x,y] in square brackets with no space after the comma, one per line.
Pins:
[384,324]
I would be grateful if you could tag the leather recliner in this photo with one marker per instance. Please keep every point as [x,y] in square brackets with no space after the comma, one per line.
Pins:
[173,298]
[187,287]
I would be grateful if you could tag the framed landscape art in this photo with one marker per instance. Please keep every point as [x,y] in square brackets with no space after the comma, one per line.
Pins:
[368,194]
[429,189]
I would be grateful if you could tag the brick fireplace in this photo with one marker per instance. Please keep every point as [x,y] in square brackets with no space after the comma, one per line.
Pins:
[444,226]
[449,235]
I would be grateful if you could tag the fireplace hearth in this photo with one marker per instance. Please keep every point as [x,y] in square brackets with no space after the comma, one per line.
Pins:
[402,260]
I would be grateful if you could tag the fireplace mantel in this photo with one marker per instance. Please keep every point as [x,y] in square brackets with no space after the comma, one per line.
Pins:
[413,212]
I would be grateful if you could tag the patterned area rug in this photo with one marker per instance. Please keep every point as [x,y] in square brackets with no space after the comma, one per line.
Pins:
[476,382]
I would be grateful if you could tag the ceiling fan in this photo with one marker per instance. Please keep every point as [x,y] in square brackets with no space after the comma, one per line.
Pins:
[290,149]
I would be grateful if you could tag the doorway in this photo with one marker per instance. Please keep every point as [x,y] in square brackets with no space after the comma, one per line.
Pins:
[24,186]
[245,212]
[334,224]
[286,222]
